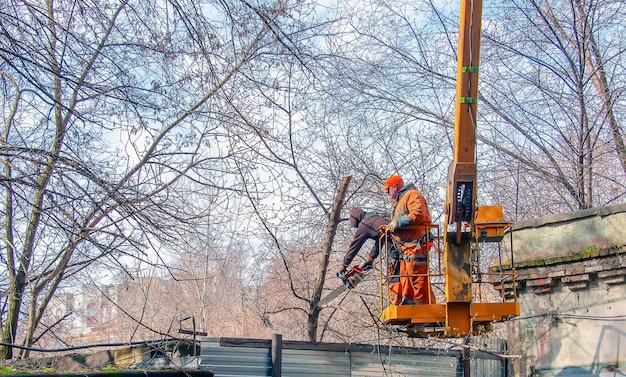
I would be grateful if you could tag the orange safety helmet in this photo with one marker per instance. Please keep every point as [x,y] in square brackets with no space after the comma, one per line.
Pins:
[392,180]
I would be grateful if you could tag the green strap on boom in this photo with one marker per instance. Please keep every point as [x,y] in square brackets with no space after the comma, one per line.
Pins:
[470,69]
[468,100]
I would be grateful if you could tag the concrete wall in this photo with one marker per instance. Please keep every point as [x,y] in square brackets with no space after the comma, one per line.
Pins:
[571,274]
[566,234]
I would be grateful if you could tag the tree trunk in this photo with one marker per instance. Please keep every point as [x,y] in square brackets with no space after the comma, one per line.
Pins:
[331,230]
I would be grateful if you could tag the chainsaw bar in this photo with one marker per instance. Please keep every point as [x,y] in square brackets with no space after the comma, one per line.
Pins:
[353,277]
[332,295]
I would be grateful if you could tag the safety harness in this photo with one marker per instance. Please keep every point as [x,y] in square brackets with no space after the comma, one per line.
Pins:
[421,246]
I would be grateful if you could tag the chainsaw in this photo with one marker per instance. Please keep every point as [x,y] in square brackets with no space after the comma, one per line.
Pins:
[350,279]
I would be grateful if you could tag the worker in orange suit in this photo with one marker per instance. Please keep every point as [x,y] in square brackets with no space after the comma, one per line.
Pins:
[408,227]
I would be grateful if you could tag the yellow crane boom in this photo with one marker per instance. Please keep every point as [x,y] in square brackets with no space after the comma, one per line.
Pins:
[465,224]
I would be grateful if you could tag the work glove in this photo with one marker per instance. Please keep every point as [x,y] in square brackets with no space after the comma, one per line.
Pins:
[391,227]
[367,265]
[400,222]
[341,274]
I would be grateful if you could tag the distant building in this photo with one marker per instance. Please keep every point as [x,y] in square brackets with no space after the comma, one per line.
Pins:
[100,314]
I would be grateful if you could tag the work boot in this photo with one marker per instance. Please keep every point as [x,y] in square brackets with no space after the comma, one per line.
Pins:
[366,266]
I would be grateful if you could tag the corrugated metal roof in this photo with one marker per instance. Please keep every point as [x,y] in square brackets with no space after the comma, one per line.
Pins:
[369,364]
[240,361]
[312,363]
[303,359]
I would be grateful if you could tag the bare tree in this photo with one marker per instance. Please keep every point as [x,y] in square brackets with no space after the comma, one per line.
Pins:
[221,132]
[552,82]
[110,121]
